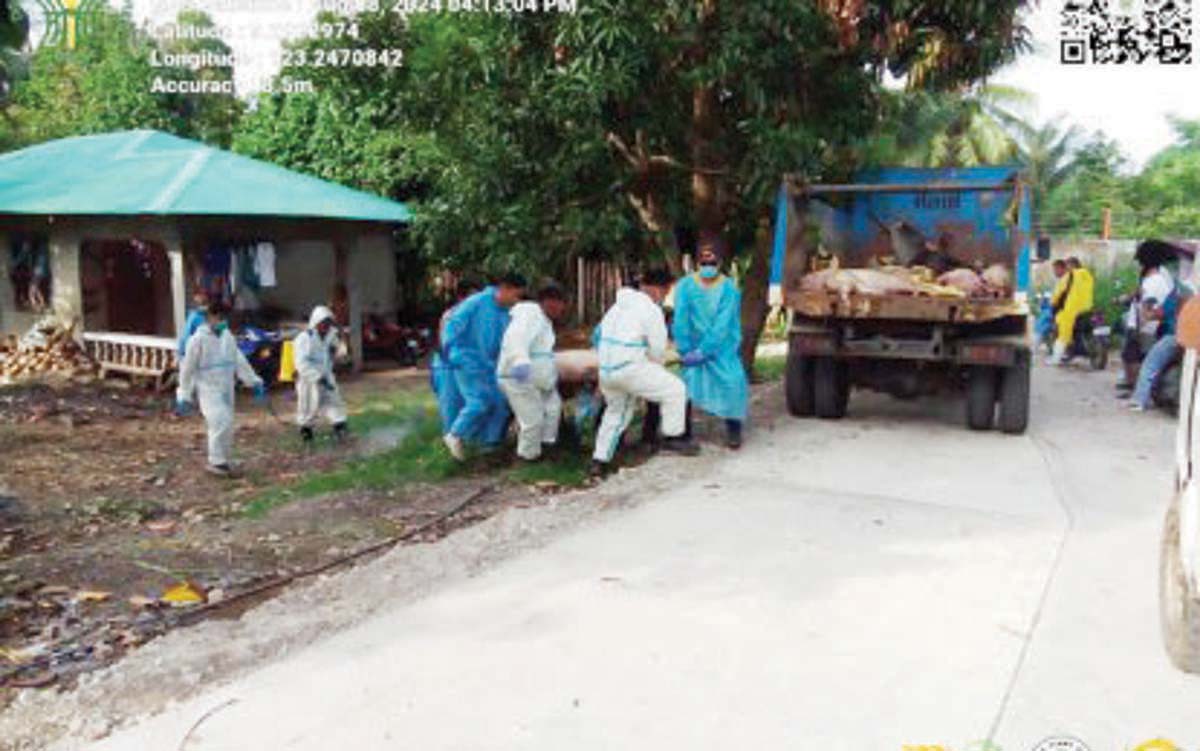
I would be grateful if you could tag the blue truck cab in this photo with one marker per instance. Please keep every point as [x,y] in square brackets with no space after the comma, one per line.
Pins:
[842,337]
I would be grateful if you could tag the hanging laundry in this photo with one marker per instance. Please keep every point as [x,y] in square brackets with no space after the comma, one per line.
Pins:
[264,264]
[247,263]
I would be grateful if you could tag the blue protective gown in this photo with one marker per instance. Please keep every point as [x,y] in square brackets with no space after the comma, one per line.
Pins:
[195,319]
[471,344]
[441,377]
[708,319]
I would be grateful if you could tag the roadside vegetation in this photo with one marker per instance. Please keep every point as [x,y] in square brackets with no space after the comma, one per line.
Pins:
[408,424]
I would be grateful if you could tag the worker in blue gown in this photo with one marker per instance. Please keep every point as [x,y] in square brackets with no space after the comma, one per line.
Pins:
[708,332]
[441,375]
[471,344]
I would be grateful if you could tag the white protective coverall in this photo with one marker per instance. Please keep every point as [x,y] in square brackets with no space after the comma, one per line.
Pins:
[314,365]
[210,365]
[529,340]
[632,346]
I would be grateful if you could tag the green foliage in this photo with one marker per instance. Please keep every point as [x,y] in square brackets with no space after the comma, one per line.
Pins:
[419,457]
[770,369]
[945,129]
[1111,284]
[528,140]
[1045,152]
[1157,202]
[104,84]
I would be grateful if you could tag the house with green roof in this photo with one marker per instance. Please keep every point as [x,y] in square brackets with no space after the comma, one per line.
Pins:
[115,231]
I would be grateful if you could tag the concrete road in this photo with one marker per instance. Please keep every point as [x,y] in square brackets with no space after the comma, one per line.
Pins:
[885,581]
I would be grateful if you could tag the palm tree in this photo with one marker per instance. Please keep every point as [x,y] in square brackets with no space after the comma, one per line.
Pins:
[949,129]
[1047,154]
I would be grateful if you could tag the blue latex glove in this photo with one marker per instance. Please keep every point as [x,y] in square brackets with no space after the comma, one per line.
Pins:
[183,407]
[693,358]
[521,373]
[327,384]
[260,392]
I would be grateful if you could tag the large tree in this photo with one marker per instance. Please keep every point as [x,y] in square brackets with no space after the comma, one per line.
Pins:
[532,138]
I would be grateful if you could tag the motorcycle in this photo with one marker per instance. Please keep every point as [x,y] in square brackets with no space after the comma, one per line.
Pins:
[1167,386]
[408,345]
[1092,340]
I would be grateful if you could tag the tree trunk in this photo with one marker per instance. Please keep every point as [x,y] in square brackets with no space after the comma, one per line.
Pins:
[755,293]
[706,129]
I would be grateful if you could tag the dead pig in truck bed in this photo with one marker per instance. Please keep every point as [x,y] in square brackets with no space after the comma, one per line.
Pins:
[910,282]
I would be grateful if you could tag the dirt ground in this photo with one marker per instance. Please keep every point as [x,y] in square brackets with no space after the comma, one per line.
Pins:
[105,505]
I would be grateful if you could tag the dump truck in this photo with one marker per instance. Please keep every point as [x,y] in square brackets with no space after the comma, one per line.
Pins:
[909,282]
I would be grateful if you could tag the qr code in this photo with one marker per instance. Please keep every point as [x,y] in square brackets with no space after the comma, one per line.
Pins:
[1127,31]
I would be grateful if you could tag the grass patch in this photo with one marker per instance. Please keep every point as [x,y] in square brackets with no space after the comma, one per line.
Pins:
[421,457]
[770,368]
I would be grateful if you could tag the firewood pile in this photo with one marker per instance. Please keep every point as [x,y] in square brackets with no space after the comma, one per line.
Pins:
[49,348]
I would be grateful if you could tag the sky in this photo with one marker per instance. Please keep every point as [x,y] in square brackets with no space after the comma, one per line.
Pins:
[1128,102]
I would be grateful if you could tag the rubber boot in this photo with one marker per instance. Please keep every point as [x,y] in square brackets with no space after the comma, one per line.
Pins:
[650,425]
[340,432]
[733,434]
[306,435]
[680,445]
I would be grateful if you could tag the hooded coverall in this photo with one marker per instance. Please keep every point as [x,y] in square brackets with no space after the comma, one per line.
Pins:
[632,344]
[529,340]
[316,389]
[209,368]
[472,345]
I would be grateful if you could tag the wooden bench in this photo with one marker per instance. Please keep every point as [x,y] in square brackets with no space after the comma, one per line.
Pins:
[152,357]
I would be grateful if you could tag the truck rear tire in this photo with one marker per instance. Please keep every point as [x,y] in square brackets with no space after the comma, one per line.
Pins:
[1179,604]
[832,388]
[798,385]
[1014,395]
[981,398]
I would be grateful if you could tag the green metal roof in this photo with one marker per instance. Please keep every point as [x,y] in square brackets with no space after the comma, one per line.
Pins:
[148,172]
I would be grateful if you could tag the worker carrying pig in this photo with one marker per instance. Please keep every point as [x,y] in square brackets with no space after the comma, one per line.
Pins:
[317,390]
[527,373]
[632,345]
[471,343]
[707,329]
[211,364]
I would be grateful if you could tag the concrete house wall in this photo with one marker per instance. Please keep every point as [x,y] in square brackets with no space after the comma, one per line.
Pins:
[306,262]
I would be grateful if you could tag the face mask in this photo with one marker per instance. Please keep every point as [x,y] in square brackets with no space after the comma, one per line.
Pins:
[220,328]
[709,272]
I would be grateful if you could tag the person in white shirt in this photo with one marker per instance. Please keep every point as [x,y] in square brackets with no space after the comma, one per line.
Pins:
[632,346]
[1144,317]
[527,373]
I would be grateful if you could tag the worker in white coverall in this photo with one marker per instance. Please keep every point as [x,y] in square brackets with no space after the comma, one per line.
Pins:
[317,391]
[632,345]
[527,374]
[211,363]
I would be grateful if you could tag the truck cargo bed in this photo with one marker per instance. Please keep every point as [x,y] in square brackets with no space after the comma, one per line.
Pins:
[902,307]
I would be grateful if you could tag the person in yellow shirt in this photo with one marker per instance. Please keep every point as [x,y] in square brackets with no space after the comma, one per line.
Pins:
[1074,295]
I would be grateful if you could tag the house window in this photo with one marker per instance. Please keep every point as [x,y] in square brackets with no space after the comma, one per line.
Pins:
[29,272]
